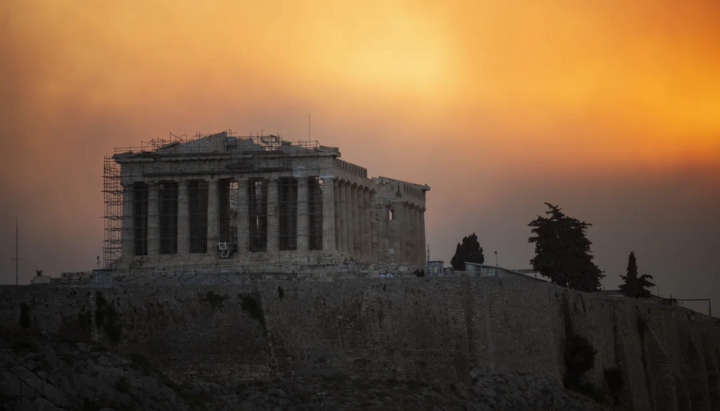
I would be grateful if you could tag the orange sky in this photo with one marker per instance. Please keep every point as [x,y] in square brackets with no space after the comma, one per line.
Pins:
[499,106]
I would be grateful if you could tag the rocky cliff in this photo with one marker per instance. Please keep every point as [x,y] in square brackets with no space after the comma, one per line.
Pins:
[431,330]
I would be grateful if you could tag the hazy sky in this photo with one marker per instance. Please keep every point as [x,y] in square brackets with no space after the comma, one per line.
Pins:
[610,109]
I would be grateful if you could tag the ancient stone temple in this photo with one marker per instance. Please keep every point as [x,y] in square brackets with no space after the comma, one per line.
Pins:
[221,200]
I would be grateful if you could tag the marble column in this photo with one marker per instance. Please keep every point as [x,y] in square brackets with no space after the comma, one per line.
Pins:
[213,217]
[336,195]
[360,222]
[183,236]
[412,239]
[153,237]
[303,230]
[328,214]
[127,223]
[351,210]
[367,229]
[273,207]
[398,220]
[243,217]
[374,226]
[415,240]
[343,217]
[418,238]
[423,253]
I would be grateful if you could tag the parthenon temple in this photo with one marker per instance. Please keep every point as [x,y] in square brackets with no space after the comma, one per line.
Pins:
[223,200]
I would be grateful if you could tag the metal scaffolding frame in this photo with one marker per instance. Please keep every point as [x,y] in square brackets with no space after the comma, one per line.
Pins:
[113,204]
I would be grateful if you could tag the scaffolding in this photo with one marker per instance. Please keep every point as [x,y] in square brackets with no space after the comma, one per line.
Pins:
[113,201]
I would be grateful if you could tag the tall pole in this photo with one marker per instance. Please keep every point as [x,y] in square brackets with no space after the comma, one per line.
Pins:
[17,225]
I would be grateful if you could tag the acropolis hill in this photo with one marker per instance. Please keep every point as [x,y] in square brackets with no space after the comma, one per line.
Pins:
[203,240]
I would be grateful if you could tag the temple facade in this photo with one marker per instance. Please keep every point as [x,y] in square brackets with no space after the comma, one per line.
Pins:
[221,200]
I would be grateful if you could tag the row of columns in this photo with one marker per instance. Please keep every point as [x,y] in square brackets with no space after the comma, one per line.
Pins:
[354,226]
[213,217]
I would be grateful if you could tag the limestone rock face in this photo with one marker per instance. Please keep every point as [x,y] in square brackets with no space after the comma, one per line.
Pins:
[43,374]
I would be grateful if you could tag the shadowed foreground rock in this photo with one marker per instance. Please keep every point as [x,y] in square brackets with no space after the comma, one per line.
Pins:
[41,373]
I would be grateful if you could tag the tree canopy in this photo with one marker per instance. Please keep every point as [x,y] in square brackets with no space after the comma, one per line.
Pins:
[468,251]
[634,286]
[562,252]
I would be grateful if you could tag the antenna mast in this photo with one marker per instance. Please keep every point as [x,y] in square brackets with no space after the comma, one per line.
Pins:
[17,225]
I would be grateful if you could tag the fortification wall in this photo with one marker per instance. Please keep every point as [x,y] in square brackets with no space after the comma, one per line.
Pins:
[428,329]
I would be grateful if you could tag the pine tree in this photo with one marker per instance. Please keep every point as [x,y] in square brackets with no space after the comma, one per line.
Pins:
[468,251]
[562,252]
[634,286]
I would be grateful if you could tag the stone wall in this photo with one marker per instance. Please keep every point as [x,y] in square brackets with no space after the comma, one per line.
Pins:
[427,329]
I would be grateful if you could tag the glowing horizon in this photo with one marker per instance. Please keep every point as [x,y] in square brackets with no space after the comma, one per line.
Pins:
[548,98]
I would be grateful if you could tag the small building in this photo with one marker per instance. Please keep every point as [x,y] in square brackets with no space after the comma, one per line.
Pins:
[40,279]
[435,268]
[102,278]
[74,277]
[482,270]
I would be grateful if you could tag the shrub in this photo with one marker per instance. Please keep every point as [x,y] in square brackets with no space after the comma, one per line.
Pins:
[106,318]
[252,307]
[614,381]
[579,357]
[84,318]
[24,316]
[216,300]
[100,303]
[142,362]
[281,292]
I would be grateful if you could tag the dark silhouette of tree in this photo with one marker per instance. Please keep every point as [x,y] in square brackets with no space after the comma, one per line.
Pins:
[634,286]
[468,251]
[562,252]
